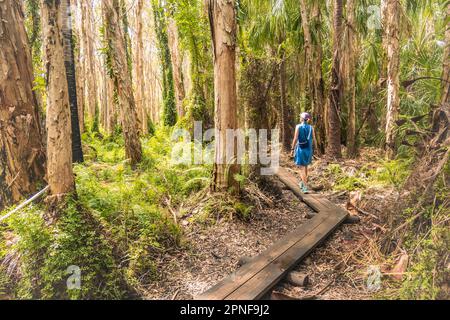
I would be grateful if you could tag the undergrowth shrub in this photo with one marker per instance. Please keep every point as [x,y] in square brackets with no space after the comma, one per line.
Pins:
[38,256]
[428,243]
[385,173]
[135,206]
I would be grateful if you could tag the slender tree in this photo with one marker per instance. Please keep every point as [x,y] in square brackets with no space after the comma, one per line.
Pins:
[445,95]
[88,56]
[69,61]
[169,105]
[176,59]
[393,76]
[222,20]
[313,51]
[22,157]
[139,69]
[351,78]
[286,118]
[59,134]
[121,76]
[334,106]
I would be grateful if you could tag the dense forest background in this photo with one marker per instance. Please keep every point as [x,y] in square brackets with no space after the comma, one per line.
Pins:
[91,92]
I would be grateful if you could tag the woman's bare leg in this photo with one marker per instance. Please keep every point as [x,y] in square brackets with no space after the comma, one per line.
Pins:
[306,175]
[303,175]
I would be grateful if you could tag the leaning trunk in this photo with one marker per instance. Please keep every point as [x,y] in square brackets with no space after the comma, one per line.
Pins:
[222,20]
[22,157]
[120,74]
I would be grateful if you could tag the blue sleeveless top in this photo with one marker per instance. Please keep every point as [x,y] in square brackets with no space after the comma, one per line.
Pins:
[304,149]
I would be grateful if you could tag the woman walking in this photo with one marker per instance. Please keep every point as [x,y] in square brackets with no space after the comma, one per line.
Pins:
[302,148]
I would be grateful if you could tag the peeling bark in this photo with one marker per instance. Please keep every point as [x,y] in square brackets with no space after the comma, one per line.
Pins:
[22,156]
[393,74]
[222,20]
[59,134]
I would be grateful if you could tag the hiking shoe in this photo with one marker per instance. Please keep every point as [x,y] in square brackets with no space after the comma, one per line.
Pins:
[301,185]
[305,189]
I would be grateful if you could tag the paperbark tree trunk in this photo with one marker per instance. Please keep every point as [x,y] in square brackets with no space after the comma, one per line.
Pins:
[22,156]
[334,106]
[69,62]
[222,19]
[393,76]
[286,116]
[140,80]
[313,52]
[176,60]
[351,80]
[90,75]
[120,74]
[59,134]
[445,95]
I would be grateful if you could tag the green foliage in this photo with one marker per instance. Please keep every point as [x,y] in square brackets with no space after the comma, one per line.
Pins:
[195,38]
[119,215]
[46,251]
[428,241]
[133,204]
[391,173]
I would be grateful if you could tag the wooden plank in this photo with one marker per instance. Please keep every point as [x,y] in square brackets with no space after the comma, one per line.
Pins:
[225,287]
[291,182]
[263,281]
[255,278]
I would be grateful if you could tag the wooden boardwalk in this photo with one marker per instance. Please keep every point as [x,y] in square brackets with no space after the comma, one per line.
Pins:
[254,279]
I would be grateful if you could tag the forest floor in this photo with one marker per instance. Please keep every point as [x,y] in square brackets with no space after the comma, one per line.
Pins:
[337,269]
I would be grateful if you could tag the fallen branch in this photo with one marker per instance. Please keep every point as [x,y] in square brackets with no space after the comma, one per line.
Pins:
[24,204]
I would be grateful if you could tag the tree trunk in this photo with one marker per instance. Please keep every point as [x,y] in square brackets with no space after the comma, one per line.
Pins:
[334,106]
[168,90]
[351,80]
[313,52]
[140,80]
[88,41]
[80,90]
[59,136]
[286,116]
[111,107]
[222,20]
[22,156]
[393,80]
[120,75]
[445,95]
[254,88]
[77,152]
[176,59]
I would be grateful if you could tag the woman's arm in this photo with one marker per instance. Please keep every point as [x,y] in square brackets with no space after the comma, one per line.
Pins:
[294,142]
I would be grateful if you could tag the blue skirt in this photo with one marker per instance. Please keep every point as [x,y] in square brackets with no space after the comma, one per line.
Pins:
[303,156]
